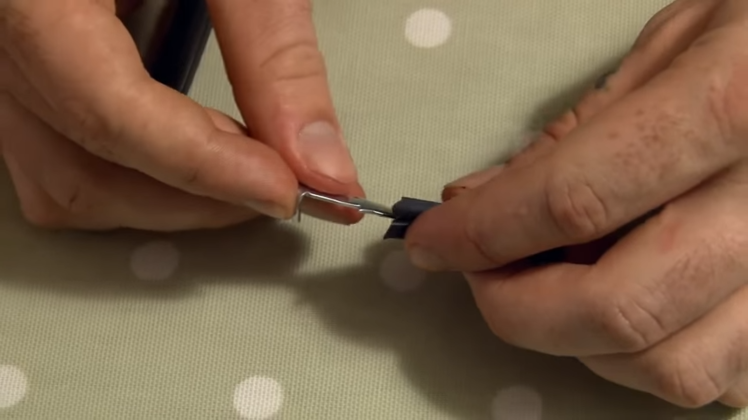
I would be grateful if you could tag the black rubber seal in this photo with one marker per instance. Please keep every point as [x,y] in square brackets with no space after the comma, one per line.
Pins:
[406,211]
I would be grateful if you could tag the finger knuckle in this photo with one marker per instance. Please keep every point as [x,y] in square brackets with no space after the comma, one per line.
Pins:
[565,124]
[627,325]
[287,53]
[297,59]
[723,98]
[727,102]
[720,101]
[575,208]
[684,380]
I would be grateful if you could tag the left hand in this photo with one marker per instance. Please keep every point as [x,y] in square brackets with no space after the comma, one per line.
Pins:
[663,309]
[92,142]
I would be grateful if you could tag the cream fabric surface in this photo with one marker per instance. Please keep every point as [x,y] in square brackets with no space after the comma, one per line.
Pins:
[317,321]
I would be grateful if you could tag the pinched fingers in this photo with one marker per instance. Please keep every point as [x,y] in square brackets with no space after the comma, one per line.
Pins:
[83,76]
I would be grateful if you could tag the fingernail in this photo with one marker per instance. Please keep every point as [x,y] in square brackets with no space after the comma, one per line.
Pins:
[268,209]
[324,152]
[426,260]
[475,179]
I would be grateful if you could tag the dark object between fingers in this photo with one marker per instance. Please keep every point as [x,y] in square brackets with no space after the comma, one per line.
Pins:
[406,211]
[171,36]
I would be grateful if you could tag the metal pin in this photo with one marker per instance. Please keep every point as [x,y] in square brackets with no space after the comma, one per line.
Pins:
[362,205]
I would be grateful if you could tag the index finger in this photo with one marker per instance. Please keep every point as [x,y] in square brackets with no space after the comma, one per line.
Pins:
[648,148]
[279,79]
[83,75]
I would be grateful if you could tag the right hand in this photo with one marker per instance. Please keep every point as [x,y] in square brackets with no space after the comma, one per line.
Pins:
[92,142]
[649,174]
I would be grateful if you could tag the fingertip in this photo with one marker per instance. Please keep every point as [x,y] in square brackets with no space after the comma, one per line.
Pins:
[354,190]
[241,170]
[447,232]
[336,214]
[282,208]
[428,239]
[425,258]
[269,208]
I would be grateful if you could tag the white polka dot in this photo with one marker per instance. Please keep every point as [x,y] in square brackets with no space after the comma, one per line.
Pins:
[517,402]
[13,386]
[258,398]
[428,28]
[155,260]
[399,274]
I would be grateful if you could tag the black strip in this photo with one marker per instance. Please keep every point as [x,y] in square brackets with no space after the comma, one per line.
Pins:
[406,211]
[179,56]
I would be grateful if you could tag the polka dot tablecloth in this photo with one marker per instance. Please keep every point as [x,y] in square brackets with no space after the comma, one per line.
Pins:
[314,321]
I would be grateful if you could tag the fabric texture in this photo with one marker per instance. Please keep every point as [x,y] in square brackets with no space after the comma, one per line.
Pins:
[316,321]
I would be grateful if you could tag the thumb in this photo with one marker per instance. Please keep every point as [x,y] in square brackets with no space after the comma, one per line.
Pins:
[280,84]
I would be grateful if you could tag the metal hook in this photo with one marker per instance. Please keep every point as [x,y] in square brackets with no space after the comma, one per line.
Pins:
[362,205]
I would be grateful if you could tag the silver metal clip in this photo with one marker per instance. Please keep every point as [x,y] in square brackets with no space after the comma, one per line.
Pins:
[362,205]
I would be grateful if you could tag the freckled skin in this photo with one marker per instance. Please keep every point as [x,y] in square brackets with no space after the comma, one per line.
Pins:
[654,157]
[660,304]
